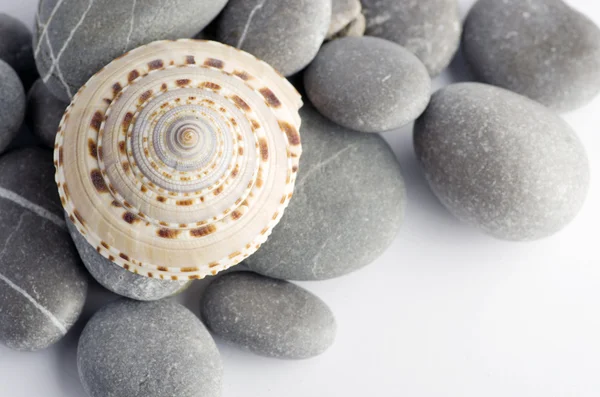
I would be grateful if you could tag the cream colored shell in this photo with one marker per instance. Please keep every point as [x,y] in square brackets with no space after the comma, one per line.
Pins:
[177,159]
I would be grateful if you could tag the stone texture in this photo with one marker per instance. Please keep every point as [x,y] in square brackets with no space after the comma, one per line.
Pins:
[15,48]
[502,162]
[542,49]
[44,112]
[12,105]
[343,13]
[430,29]
[367,84]
[148,349]
[347,207]
[75,38]
[286,34]
[356,28]
[273,318]
[119,280]
[42,285]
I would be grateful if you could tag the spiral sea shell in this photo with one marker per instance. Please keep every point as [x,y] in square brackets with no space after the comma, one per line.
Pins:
[177,159]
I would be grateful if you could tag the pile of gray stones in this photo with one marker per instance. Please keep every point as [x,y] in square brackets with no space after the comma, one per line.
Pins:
[495,153]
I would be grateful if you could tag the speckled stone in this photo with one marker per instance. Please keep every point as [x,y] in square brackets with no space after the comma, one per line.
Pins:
[347,207]
[119,280]
[44,112]
[12,105]
[343,13]
[367,84]
[42,284]
[273,318]
[148,349]
[74,39]
[286,33]
[542,49]
[15,48]
[501,161]
[430,29]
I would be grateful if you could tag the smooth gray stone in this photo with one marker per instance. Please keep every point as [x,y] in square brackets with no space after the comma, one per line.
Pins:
[286,34]
[148,349]
[84,36]
[367,84]
[542,49]
[347,208]
[343,13]
[44,112]
[501,161]
[15,48]
[42,284]
[12,105]
[273,318]
[119,280]
[430,29]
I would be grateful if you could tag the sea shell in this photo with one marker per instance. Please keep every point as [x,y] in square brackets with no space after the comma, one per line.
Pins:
[177,159]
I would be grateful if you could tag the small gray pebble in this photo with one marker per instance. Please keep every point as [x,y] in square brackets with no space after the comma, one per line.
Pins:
[367,84]
[273,318]
[343,12]
[119,280]
[12,105]
[42,285]
[356,28]
[44,112]
[341,172]
[542,49]
[148,349]
[15,48]
[83,36]
[286,34]
[430,29]
[501,161]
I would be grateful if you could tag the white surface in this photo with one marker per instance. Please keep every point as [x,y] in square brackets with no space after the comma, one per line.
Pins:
[445,312]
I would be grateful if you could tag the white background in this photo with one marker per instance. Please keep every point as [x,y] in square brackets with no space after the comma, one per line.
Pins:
[446,311]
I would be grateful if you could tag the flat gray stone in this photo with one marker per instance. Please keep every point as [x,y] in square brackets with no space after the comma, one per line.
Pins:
[501,161]
[12,105]
[347,207]
[273,318]
[367,84]
[44,112]
[343,13]
[74,39]
[42,284]
[542,49]
[15,48]
[119,280]
[148,349]
[430,29]
[286,34]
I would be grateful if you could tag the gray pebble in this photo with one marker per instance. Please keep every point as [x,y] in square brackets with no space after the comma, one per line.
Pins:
[119,280]
[542,49]
[356,28]
[430,29]
[273,318]
[148,349]
[341,172]
[343,13]
[74,39]
[367,84]
[501,161]
[12,105]
[286,33]
[44,112]
[42,285]
[15,48]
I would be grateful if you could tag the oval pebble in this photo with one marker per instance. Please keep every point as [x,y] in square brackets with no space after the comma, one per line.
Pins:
[367,84]
[501,161]
[542,49]
[44,112]
[42,285]
[15,48]
[341,172]
[148,349]
[12,105]
[272,318]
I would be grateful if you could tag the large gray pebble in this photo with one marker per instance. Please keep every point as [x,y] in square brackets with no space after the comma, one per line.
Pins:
[15,48]
[347,207]
[285,33]
[428,28]
[148,349]
[44,112]
[542,49]
[119,280]
[367,84]
[273,318]
[75,38]
[12,105]
[42,285]
[501,161]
